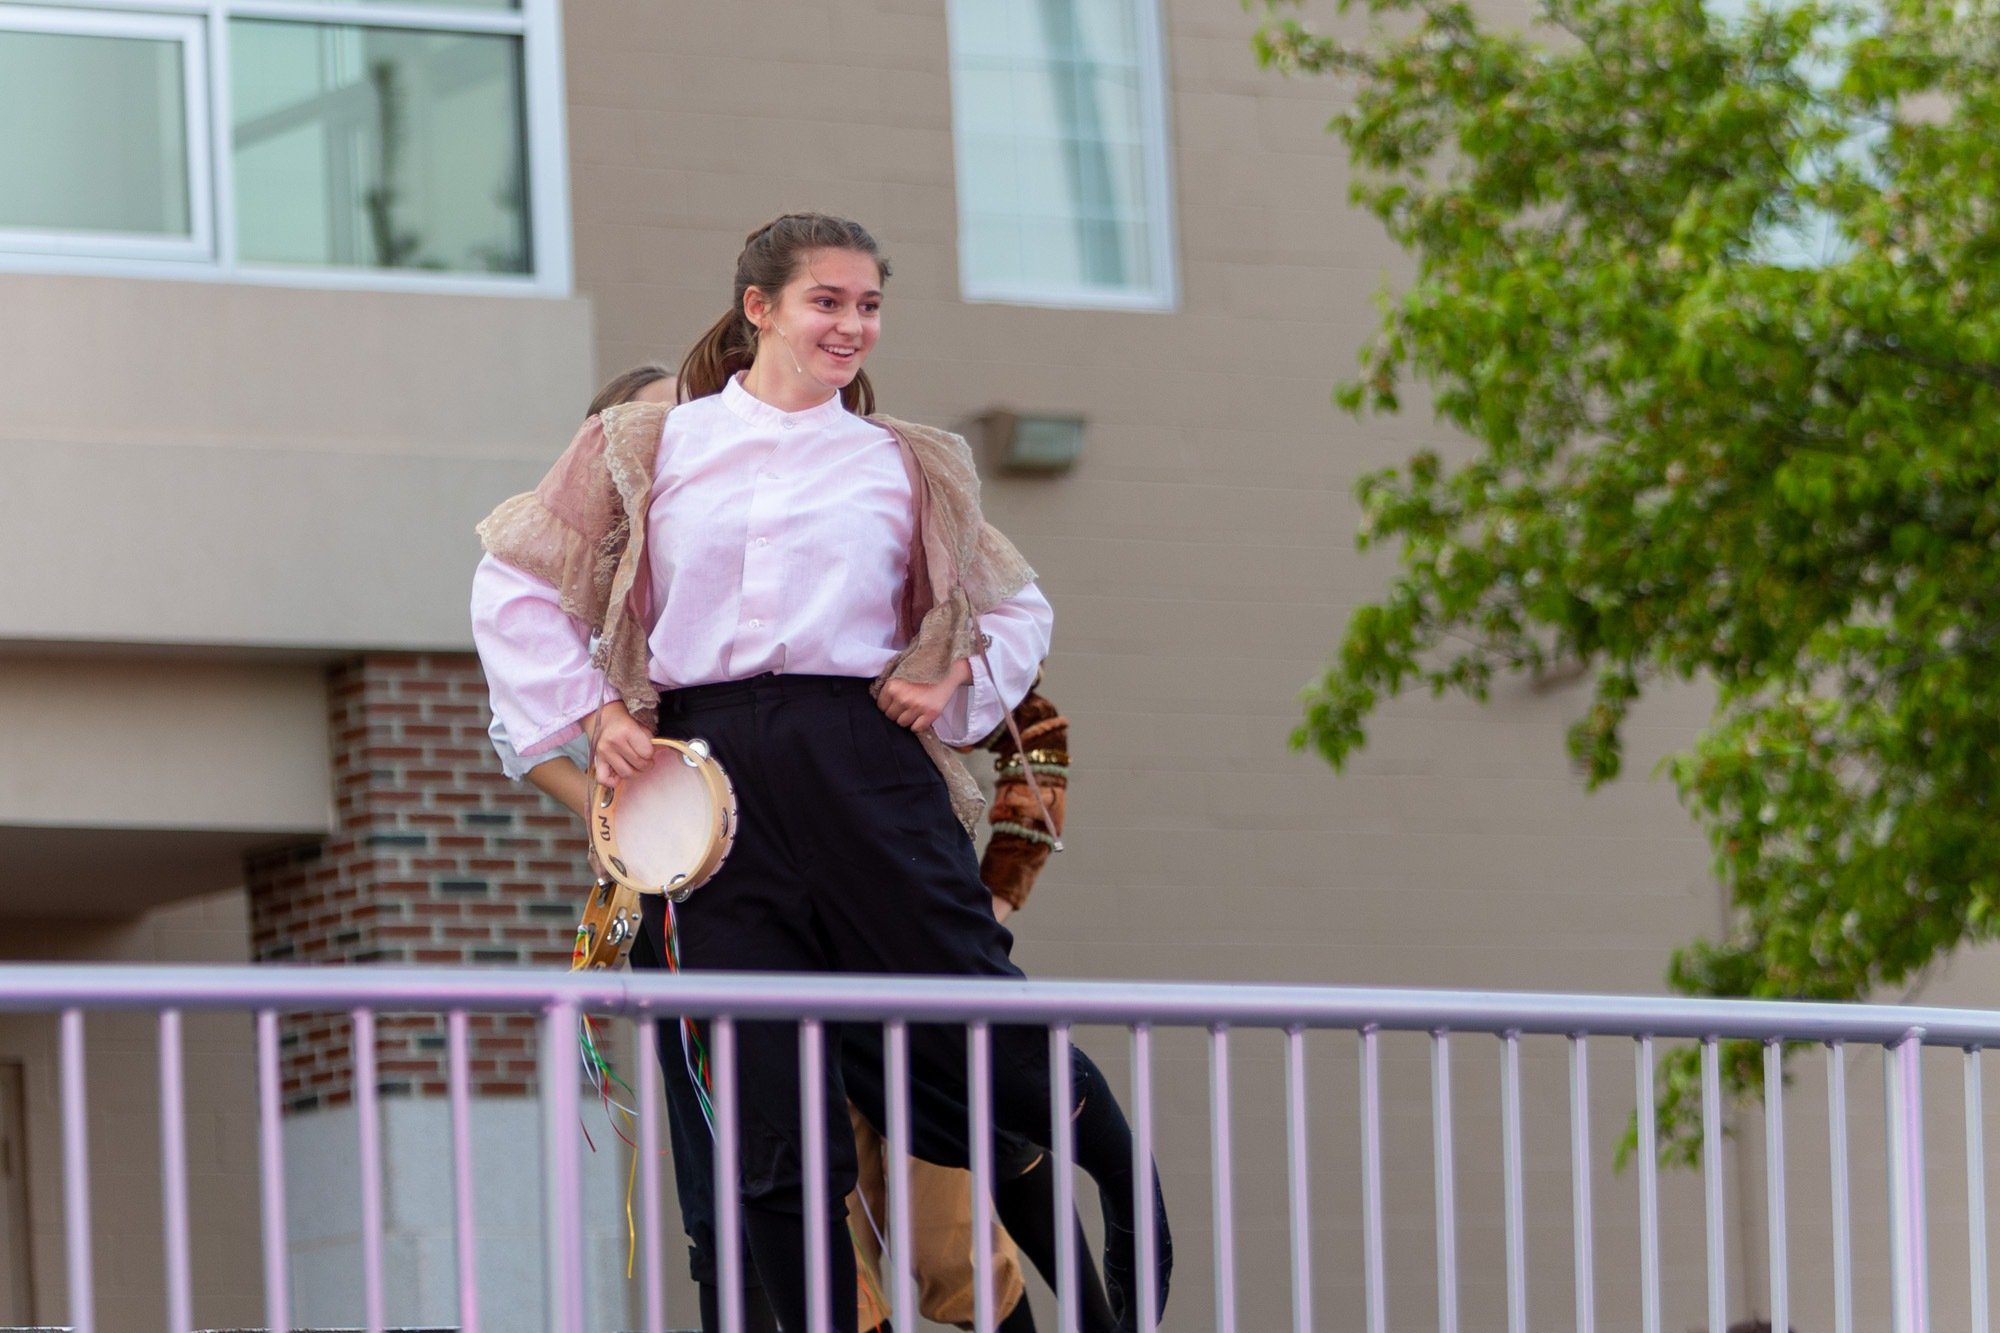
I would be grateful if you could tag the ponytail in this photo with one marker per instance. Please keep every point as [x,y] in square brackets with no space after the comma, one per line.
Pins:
[729,345]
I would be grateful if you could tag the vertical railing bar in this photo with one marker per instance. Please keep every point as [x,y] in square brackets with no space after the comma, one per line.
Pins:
[1299,1153]
[561,1055]
[1646,1118]
[1225,1182]
[904,1298]
[1892,1106]
[1142,1176]
[1843,1229]
[979,1052]
[1774,1181]
[271,1170]
[1375,1276]
[174,1174]
[1975,1189]
[370,1133]
[465,1240]
[1062,1140]
[1444,1191]
[1711,1173]
[728,1201]
[1907,1155]
[76,1176]
[1579,1171]
[1516,1202]
[812,1110]
[651,1206]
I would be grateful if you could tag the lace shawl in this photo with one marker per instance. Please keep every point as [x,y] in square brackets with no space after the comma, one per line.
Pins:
[583,531]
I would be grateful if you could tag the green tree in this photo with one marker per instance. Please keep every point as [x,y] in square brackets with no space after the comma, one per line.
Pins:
[1713,296]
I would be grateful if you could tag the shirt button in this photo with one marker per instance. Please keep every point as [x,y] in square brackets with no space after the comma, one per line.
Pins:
[756,624]
[763,541]
[789,423]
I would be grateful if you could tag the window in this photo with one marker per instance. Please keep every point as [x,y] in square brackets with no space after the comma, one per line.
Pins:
[1059,121]
[1807,236]
[406,146]
[106,128]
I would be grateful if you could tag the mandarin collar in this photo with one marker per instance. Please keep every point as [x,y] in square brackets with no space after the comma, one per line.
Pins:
[757,412]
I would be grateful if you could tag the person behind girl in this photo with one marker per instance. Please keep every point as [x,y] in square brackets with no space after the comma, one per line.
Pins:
[940,1201]
[561,774]
[806,588]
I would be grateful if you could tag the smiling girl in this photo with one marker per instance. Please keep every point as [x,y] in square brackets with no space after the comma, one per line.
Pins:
[814,591]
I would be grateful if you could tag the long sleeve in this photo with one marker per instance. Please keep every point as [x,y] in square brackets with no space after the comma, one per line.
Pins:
[1020,628]
[536,658]
[576,749]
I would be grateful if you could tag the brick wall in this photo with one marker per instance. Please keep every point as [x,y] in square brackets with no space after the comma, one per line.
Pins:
[435,859]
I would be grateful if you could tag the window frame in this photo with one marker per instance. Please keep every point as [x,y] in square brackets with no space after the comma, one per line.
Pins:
[185,30]
[1155,128]
[537,24]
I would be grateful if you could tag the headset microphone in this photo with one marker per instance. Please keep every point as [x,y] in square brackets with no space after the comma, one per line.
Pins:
[786,340]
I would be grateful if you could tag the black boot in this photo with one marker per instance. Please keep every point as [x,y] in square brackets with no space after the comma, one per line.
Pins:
[757,1316]
[777,1245]
[1104,1148]
[1026,1203]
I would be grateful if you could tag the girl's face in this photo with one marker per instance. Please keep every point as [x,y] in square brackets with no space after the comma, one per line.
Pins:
[828,316]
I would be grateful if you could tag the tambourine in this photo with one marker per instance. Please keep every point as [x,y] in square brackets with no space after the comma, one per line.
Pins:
[666,829]
[611,922]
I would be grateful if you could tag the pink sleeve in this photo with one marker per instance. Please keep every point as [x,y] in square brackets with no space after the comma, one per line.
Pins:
[536,658]
[1019,628]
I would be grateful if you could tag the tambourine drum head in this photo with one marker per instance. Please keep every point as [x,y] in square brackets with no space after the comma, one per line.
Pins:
[663,822]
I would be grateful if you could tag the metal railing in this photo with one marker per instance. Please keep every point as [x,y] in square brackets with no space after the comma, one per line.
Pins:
[1219,1011]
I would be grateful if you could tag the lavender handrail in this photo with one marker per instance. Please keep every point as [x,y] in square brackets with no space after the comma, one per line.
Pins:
[30,987]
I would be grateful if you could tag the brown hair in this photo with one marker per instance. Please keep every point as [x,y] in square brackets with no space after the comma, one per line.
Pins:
[770,259]
[623,388]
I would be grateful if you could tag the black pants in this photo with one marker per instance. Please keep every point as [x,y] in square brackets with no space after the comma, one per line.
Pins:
[848,858]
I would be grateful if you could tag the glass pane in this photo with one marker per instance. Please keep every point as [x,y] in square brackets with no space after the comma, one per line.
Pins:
[986,178]
[1041,99]
[1055,27]
[109,147]
[1107,30]
[379,148]
[1113,97]
[991,248]
[1051,254]
[1116,255]
[1126,172]
[985,97]
[1043,171]
[984,28]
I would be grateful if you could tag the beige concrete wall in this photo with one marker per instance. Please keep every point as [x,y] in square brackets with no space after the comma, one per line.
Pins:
[130,780]
[279,468]
[117,742]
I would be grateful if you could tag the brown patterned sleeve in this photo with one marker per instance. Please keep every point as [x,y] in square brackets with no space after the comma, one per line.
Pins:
[1021,842]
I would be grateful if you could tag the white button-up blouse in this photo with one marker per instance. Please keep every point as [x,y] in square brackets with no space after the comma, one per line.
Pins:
[778,542]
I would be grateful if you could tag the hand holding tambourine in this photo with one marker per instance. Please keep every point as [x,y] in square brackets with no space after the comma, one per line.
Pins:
[668,826]
[665,828]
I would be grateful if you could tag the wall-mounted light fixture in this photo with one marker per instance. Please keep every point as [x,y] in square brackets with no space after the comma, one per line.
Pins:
[1039,443]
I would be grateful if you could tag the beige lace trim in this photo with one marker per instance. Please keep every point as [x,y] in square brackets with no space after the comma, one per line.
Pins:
[583,529]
